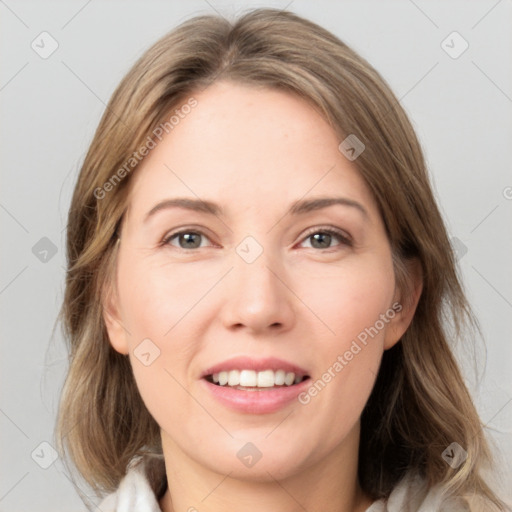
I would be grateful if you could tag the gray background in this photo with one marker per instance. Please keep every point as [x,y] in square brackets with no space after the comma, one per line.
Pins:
[461,108]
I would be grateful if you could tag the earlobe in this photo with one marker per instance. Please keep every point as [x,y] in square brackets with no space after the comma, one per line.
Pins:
[407,300]
[113,324]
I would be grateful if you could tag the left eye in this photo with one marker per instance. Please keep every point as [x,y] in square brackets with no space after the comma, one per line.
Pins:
[190,239]
[321,238]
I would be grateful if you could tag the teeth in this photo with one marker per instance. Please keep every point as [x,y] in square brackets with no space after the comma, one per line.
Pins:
[289,379]
[265,379]
[249,378]
[233,378]
[252,379]
[279,377]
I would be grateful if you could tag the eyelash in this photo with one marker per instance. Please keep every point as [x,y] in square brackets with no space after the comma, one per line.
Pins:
[343,238]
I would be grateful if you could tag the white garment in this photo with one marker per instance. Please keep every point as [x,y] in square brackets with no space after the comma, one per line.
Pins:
[135,494]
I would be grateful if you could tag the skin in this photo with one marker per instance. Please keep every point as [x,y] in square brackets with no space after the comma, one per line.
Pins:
[254,151]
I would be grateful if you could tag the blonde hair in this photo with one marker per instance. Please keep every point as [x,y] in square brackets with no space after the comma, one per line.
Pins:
[419,404]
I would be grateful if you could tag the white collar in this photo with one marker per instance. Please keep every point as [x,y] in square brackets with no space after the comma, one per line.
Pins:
[136,493]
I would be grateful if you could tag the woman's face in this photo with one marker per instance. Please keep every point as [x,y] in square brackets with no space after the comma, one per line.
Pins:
[270,276]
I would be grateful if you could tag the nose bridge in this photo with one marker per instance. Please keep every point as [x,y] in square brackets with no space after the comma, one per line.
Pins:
[257,297]
[254,276]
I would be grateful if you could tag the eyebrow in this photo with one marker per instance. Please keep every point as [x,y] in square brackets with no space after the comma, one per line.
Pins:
[296,208]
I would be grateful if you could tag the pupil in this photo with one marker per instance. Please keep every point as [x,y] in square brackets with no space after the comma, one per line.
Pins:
[321,237]
[188,237]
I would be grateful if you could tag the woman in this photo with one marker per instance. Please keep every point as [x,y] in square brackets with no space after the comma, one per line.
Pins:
[258,282]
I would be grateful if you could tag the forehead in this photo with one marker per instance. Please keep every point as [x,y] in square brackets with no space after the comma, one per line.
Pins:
[247,146]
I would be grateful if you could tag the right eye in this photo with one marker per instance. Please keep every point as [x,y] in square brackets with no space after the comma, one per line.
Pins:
[187,239]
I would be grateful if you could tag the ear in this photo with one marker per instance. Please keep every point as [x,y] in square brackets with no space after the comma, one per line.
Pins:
[405,301]
[117,334]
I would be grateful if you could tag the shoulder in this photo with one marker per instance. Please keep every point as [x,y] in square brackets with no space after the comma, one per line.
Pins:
[412,494]
[137,491]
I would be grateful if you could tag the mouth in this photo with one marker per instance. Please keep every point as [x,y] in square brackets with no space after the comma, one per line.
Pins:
[251,380]
[251,385]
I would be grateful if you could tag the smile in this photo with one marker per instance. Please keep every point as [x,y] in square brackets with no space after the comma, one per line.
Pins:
[252,380]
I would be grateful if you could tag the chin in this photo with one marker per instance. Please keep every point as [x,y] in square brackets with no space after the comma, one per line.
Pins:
[258,461]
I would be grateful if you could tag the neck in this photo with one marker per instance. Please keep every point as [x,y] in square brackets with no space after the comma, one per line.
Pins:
[328,485]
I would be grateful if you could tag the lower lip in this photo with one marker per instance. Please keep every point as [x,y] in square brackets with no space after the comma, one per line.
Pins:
[262,401]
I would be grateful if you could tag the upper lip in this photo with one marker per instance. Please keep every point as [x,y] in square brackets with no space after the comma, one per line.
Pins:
[250,363]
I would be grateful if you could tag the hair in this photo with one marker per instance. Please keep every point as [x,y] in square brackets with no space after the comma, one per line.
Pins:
[420,403]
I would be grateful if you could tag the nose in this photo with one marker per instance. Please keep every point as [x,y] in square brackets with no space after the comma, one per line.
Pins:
[259,299]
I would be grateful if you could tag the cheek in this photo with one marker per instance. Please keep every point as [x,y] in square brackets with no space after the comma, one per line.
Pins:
[157,298]
[161,308]
[349,302]
[349,298]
